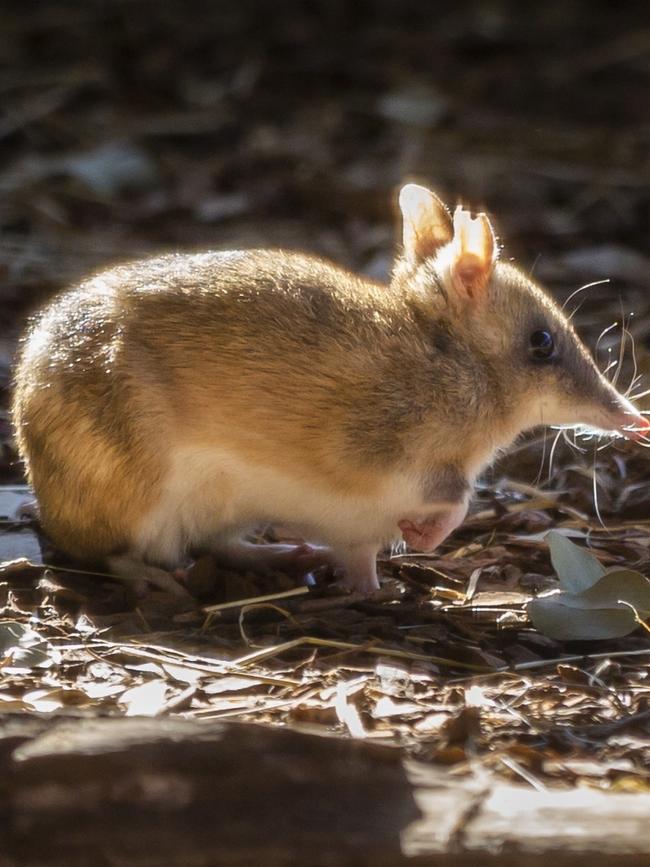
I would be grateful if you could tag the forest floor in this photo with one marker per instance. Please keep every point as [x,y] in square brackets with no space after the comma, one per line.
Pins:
[125,134]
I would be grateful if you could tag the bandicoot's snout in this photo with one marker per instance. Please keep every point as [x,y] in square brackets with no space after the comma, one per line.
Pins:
[631,424]
[617,414]
[590,400]
[624,417]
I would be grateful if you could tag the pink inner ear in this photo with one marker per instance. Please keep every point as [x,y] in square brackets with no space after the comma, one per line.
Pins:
[427,241]
[471,274]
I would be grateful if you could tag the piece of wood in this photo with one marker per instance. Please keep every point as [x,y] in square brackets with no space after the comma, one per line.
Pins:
[574,821]
[140,792]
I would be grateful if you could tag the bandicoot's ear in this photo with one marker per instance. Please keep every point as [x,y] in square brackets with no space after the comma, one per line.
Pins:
[427,222]
[473,252]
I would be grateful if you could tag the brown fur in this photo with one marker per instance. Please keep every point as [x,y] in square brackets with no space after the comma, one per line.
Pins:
[292,362]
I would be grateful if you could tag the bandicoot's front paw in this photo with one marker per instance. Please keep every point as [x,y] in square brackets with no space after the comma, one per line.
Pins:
[422,536]
[427,534]
[359,565]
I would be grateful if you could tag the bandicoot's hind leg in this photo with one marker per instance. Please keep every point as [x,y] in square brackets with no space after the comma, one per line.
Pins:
[298,559]
[130,568]
[359,562]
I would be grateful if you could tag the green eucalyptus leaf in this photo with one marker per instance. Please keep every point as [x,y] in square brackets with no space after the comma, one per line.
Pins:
[559,617]
[620,585]
[607,609]
[577,569]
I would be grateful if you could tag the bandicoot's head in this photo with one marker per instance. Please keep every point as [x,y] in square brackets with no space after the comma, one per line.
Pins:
[511,323]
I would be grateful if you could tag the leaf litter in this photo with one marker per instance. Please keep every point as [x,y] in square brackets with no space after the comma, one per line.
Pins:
[450,661]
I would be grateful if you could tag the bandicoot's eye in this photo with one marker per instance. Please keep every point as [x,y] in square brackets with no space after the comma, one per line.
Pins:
[542,345]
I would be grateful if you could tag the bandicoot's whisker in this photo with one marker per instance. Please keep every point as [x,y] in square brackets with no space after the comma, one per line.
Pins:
[552,454]
[600,337]
[595,491]
[637,379]
[541,463]
[634,363]
[633,384]
[575,310]
[621,349]
[573,444]
[640,395]
[608,441]
[582,288]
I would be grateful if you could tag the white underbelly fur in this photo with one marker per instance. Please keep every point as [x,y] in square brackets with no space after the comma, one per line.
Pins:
[210,492]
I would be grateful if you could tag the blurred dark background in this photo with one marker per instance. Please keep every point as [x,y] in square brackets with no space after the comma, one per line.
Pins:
[134,126]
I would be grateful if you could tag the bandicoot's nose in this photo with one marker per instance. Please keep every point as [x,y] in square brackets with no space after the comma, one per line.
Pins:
[633,425]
